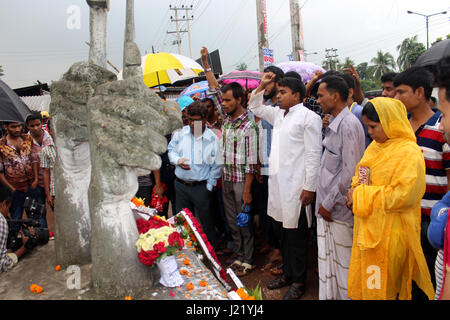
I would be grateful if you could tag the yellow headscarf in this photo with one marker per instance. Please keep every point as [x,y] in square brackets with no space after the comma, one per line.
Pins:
[393,118]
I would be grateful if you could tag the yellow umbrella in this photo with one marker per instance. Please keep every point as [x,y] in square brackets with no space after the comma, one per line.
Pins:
[162,68]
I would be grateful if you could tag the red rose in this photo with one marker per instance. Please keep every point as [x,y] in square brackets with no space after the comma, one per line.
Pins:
[174,239]
[148,257]
[159,247]
[142,226]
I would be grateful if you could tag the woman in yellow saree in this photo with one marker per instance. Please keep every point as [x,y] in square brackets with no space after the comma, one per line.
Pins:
[388,185]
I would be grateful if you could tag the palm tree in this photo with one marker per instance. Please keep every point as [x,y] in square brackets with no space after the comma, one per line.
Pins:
[242,66]
[346,64]
[409,51]
[363,71]
[382,63]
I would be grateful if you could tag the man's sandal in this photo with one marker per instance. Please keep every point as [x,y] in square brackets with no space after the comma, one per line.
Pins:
[277,270]
[278,283]
[295,292]
[243,269]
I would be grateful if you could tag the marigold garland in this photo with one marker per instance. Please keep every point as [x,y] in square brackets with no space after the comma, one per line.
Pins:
[197,225]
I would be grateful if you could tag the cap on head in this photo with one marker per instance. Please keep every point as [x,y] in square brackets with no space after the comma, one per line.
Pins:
[45,114]
[184,102]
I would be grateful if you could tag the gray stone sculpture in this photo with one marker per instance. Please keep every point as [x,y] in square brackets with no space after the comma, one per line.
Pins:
[127,123]
[73,169]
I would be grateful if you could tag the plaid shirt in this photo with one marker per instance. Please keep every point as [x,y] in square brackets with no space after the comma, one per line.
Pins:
[48,160]
[239,143]
[312,105]
[5,261]
[46,140]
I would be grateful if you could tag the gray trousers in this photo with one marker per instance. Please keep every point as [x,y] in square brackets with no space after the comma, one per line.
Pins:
[198,200]
[243,238]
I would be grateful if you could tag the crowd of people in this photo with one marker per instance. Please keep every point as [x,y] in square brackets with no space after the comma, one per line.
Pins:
[267,170]
[27,158]
[361,176]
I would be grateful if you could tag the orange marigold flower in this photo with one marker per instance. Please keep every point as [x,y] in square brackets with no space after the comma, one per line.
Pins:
[128,298]
[138,202]
[190,286]
[203,283]
[35,288]
[183,272]
[58,267]
[242,293]
[186,261]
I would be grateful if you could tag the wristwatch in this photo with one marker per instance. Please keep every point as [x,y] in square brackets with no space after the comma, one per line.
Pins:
[207,70]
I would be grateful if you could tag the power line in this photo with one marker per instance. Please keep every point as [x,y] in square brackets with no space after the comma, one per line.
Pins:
[206,8]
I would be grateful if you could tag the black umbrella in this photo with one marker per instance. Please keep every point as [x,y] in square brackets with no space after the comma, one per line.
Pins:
[434,54]
[12,108]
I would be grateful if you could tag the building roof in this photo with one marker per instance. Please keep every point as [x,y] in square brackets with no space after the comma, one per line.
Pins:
[37,103]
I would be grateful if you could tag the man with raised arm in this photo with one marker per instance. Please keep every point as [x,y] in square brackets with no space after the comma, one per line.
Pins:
[294,163]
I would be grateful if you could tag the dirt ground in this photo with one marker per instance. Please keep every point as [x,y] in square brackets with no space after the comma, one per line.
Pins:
[257,276]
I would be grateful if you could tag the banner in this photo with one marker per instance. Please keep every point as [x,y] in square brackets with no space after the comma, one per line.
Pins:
[268,57]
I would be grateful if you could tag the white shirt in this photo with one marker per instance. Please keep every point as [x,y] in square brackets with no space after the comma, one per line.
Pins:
[294,160]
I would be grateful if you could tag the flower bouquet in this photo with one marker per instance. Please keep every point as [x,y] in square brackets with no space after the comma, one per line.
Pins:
[157,201]
[157,244]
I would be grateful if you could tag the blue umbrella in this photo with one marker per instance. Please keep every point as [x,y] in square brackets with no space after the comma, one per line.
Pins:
[198,90]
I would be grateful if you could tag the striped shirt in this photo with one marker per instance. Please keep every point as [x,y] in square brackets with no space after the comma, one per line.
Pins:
[48,160]
[437,160]
[439,273]
[239,143]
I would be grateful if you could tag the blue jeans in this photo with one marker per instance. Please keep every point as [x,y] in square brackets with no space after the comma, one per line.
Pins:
[37,194]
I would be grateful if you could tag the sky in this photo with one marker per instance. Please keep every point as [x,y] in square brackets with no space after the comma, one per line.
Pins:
[41,39]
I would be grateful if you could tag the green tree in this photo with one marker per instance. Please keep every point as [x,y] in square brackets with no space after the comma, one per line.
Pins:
[242,66]
[382,63]
[409,51]
[364,71]
[1,71]
[440,39]
[369,85]
[346,64]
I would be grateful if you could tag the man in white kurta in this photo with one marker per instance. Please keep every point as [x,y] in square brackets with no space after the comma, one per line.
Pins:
[293,169]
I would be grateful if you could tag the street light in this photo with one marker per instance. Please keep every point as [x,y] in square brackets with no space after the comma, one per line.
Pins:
[427,18]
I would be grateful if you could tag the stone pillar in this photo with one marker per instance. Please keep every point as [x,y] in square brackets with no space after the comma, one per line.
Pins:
[97,27]
[73,168]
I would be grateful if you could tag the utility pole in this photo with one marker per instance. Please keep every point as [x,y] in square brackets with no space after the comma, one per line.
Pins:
[331,58]
[178,31]
[296,31]
[263,39]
